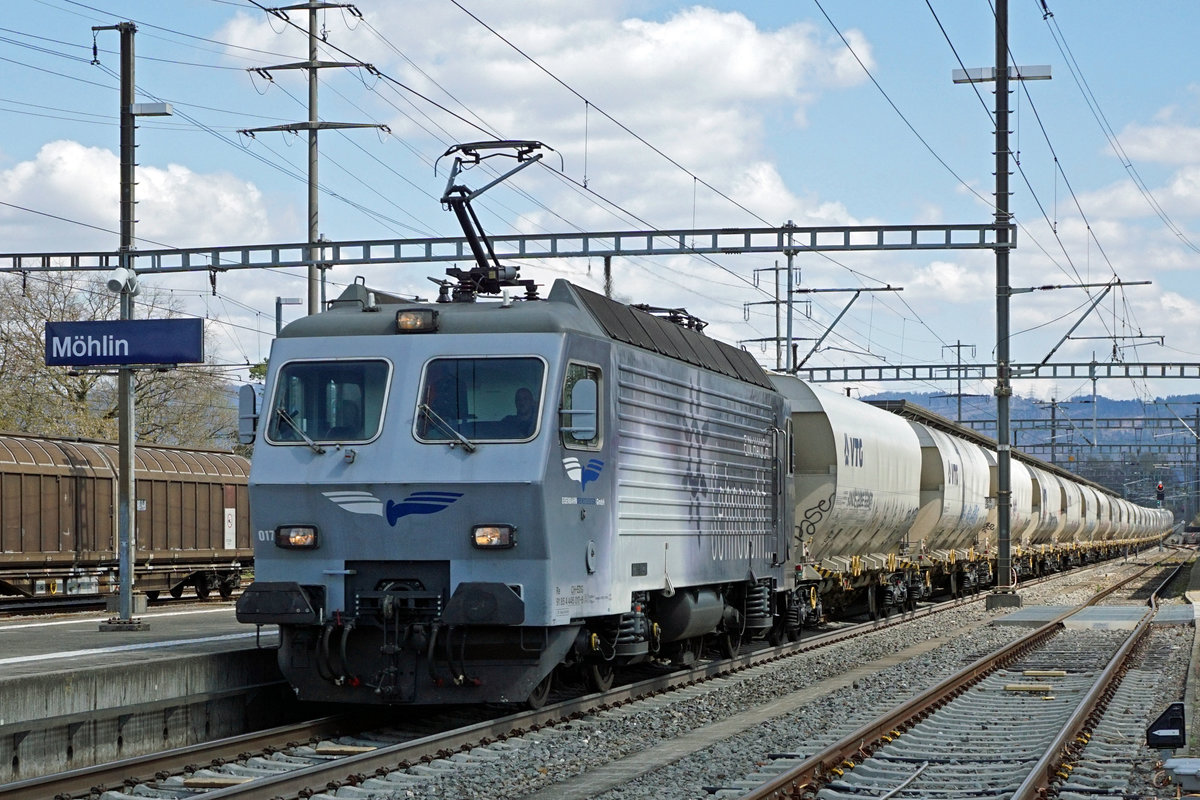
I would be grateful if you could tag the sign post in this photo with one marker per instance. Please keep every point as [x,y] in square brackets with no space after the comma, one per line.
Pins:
[126,344]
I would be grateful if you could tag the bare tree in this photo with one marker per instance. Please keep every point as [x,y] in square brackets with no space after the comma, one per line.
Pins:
[185,406]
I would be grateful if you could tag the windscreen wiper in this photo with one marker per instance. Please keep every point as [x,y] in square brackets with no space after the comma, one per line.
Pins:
[286,417]
[446,427]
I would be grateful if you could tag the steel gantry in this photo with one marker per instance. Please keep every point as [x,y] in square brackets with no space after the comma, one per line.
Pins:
[698,241]
[987,372]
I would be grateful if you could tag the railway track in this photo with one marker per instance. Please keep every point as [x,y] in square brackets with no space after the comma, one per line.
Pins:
[1010,725]
[296,761]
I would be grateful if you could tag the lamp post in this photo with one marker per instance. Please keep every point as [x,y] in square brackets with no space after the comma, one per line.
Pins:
[280,302]
[124,280]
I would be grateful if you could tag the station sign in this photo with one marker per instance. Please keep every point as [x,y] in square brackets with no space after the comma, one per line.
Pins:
[125,342]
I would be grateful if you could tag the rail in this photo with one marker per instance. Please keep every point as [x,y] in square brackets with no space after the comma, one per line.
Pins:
[807,776]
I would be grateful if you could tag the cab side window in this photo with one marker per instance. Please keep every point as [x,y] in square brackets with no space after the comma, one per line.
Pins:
[581,407]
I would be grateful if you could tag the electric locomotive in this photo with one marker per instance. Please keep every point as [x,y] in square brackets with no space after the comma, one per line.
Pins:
[423,541]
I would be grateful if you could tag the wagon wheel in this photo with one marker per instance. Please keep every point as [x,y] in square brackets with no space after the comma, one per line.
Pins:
[599,677]
[152,595]
[176,591]
[729,642]
[225,589]
[202,587]
[537,698]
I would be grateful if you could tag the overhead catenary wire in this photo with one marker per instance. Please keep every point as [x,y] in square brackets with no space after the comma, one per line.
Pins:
[504,212]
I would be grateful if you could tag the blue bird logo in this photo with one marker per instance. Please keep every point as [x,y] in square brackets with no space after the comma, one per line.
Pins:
[585,473]
[420,503]
[590,472]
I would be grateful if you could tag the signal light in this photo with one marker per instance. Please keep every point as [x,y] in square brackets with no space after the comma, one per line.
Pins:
[1159,491]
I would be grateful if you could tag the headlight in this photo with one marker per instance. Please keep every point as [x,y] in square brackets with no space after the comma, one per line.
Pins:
[416,320]
[296,537]
[494,536]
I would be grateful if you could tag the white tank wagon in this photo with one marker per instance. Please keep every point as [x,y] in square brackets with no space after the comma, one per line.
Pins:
[1021,519]
[856,476]
[1091,518]
[1030,539]
[1106,529]
[1057,506]
[1073,515]
[1047,504]
[954,497]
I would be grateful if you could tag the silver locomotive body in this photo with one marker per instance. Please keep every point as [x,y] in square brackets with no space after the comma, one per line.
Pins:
[423,539]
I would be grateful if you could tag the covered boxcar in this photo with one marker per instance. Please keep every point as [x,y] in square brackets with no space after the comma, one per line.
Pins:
[58,500]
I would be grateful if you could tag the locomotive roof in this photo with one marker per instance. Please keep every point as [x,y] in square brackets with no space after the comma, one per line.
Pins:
[566,308]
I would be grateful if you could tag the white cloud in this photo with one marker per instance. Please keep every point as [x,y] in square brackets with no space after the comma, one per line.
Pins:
[950,282]
[175,205]
[1169,143]
[700,85]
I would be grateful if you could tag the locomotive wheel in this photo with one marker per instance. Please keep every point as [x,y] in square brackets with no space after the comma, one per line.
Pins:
[599,677]
[537,698]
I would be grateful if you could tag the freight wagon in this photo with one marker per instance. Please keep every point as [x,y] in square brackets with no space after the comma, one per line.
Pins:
[58,531]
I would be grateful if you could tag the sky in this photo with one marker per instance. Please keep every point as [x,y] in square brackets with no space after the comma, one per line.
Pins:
[661,115]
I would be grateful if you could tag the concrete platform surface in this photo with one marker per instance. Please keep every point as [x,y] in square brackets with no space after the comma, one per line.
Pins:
[33,647]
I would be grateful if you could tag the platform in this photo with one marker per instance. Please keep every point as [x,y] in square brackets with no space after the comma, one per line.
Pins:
[71,695]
